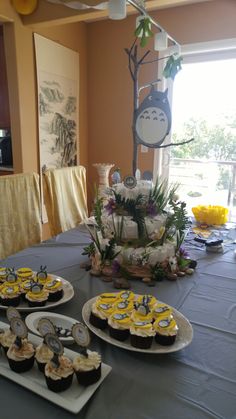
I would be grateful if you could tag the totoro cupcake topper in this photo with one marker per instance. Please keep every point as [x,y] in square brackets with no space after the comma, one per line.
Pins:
[143,307]
[36,288]
[19,329]
[45,326]
[11,276]
[81,336]
[42,273]
[53,342]
[11,313]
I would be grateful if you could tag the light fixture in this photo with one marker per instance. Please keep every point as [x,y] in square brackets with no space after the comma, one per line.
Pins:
[160,41]
[117,9]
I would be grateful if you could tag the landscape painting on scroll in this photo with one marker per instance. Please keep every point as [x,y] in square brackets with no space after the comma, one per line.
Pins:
[57,103]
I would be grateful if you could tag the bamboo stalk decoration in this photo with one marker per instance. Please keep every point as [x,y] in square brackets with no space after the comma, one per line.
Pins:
[152,118]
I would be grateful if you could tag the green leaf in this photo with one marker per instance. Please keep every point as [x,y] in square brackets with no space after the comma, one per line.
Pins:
[172,67]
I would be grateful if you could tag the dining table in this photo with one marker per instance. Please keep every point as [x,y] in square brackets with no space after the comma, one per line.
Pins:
[196,382]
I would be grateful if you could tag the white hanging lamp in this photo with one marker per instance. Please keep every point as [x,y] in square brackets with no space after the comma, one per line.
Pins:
[117,9]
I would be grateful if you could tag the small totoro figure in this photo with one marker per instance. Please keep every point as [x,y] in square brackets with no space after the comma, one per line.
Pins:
[115,177]
[153,119]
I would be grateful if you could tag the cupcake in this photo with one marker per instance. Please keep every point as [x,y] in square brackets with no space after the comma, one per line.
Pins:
[6,339]
[119,323]
[59,375]
[161,310]
[24,273]
[100,313]
[10,295]
[141,335]
[87,368]
[55,289]
[43,355]
[142,311]
[21,357]
[37,296]
[166,331]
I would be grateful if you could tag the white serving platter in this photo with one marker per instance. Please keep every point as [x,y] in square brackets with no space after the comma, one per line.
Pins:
[68,293]
[58,320]
[183,338]
[72,399]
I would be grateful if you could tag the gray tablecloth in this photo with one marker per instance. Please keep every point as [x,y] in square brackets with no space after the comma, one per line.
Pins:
[197,382]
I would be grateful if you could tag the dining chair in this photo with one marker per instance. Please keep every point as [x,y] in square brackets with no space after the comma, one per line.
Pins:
[20,212]
[65,196]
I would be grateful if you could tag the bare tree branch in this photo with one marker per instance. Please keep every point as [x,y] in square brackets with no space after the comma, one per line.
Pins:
[144,56]
[155,60]
[173,144]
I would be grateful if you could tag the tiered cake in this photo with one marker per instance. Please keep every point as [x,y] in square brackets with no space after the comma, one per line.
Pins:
[139,230]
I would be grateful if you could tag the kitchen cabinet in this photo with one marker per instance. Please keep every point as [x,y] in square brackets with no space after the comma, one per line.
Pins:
[4,99]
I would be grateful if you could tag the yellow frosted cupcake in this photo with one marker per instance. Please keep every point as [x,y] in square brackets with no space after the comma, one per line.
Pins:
[55,289]
[166,331]
[119,324]
[141,335]
[10,295]
[42,276]
[3,274]
[100,313]
[148,299]
[37,296]
[24,273]
[126,295]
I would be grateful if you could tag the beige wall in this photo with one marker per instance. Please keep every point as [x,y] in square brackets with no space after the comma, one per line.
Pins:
[110,87]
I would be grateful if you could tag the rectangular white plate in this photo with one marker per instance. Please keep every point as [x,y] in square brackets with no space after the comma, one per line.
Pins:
[72,399]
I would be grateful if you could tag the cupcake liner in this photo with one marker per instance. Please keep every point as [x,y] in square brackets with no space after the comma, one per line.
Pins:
[165,340]
[119,334]
[13,302]
[41,366]
[97,322]
[141,342]
[59,385]
[21,366]
[55,296]
[86,378]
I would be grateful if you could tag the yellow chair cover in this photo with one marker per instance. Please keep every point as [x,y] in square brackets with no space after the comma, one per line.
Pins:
[20,213]
[65,196]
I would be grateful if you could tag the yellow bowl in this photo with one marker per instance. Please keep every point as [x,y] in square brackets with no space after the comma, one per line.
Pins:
[211,214]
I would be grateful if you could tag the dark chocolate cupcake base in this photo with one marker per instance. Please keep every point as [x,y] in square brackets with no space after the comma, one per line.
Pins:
[41,365]
[97,322]
[86,378]
[165,340]
[36,303]
[141,342]
[59,385]
[119,334]
[55,296]
[21,366]
[10,302]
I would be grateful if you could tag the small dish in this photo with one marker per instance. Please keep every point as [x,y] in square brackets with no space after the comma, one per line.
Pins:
[58,320]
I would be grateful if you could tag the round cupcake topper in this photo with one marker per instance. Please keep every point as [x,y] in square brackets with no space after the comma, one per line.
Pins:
[36,288]
[125,295]
[104,306]
[120,316]
[45,326]
[52,283]
[19,328]
[42,273]
[80,334]
[53,342]
[11,276]
[161,309]
[12,312]
[164,323]
[9,290]
[130,182]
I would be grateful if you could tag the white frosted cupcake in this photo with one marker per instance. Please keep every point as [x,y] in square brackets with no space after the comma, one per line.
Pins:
[59,377]
[87,368]
[21,358]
